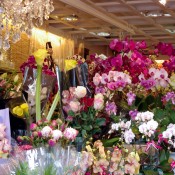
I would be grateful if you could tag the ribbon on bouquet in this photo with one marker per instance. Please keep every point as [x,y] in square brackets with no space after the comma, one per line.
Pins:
[152,144]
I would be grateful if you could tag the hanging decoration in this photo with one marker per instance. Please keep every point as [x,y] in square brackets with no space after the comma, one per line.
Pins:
[21,16]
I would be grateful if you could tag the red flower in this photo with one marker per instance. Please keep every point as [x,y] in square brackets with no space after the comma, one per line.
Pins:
[87,102]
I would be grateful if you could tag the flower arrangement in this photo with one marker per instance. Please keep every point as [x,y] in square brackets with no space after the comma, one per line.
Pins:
[5,147]
[81,112]
[46,132]
[10,85]
[115,161]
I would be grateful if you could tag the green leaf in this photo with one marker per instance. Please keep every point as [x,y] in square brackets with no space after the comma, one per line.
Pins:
[110,142]
[115,118]
[164,156]
[172,173]
[172,116]
[84,133]
[150,172]
[87,127]
[96,130]
[71,113]
[100,121]
[50,170]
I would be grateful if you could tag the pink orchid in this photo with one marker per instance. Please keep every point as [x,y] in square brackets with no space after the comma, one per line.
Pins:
[173,164]
[97,79]
[104,78]
[112,86]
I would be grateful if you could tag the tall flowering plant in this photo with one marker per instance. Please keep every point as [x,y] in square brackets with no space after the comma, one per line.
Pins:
[81,112]
[113,161]
[135,94]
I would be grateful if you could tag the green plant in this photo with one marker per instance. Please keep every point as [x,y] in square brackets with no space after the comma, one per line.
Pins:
[87,123]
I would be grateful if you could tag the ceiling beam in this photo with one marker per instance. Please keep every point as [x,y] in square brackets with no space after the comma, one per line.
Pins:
[98,13]
[164,8]
[129,2]
[149,19]
[137,30]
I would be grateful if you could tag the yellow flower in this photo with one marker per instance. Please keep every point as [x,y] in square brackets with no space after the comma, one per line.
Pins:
[4,75]
[89,149]
[70,64]
[14,109]
[135,155]
[16,78]
[25,107]
[40,55]
[18,111]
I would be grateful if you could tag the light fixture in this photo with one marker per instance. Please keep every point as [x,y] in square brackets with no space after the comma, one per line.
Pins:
[159,61]
[17,16]
[170,30]
[154,14]
[70,18]
[103,34]
[163,2]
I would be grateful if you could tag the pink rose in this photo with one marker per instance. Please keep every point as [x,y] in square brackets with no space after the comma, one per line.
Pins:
[39,122]
[39,134]
[80,91]
[75,106]
[70,133]
[46,131]
[57,134]
[20,138]
[33,126]
[54,123]
[98,101]
[35,134]
[51,142]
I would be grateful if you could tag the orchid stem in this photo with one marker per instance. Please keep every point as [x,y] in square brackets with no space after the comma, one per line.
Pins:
[38,93]
[54,105]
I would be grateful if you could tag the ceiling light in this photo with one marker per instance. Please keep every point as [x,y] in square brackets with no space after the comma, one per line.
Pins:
[154,14]
[92,33]
[103,34]
[163,2]
[70,18]
[159,61]
[170,30]
[82,29]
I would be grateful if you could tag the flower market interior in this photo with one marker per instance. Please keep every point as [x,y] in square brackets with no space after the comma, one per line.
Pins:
[87,87]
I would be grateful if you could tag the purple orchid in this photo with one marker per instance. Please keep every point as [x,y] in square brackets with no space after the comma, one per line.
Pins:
[148,84]
[130,98]
[111,108]
[133,114]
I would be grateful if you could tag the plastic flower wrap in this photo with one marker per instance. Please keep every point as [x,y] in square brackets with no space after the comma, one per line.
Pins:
[29,86]
[43,160]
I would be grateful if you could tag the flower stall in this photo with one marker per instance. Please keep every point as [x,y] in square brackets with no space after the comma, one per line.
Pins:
[121,121]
